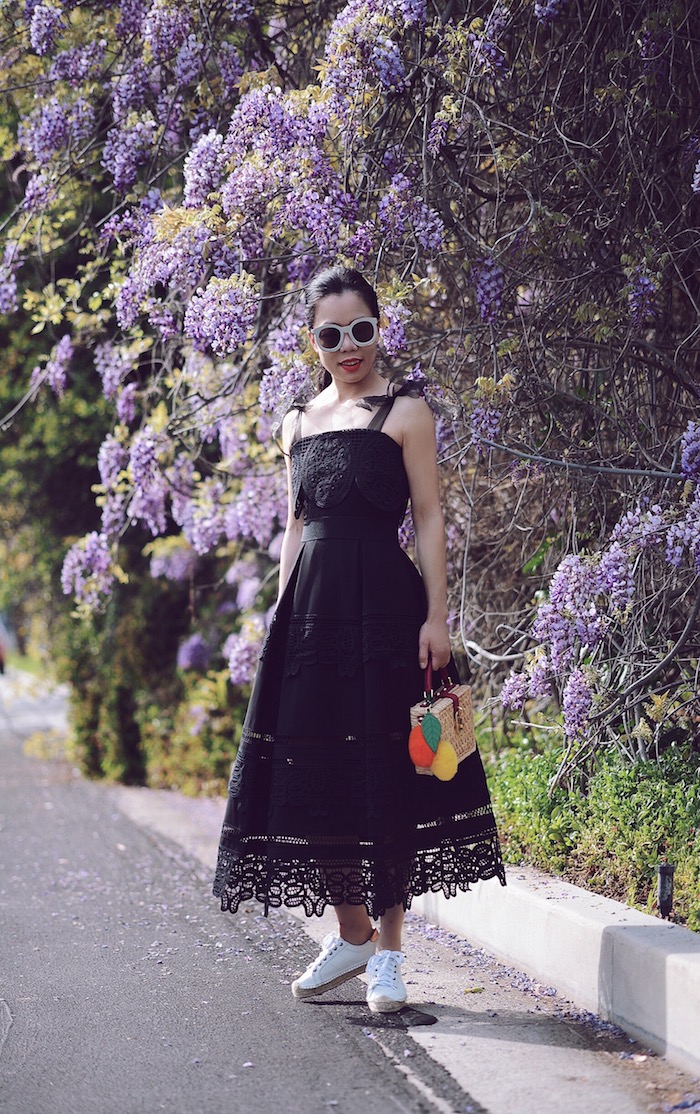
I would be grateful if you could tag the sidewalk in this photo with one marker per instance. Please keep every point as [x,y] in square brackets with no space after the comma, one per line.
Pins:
[505,1031]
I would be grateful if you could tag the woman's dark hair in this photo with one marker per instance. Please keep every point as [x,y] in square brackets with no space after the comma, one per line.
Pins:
[336,280]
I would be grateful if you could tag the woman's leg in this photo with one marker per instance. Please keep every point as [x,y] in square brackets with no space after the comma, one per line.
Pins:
[354,924]
[391,924]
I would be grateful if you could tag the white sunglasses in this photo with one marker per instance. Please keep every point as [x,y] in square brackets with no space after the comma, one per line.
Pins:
[363,331]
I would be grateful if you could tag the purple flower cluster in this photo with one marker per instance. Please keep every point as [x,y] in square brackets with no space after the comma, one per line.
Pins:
[533,682]
[40,192]
[546,11]
[204,169]
[112,459]
[243,569]
[483,38]
[616,578]
[488,280]
[654,52]
[56,368]
[394,330]
[230,65]
[189,61]
[642,295]
[126,403]
[360,52]
[112,364]
[79,63]
[175,563]
[485,422]
[409,12]
[576,703]
[402,210]
[114,507]
[684,536]
[242,651]
[515,690]
[572,593]
[46,131]
[437,137]
[570,622]
[204,522]
[162,318]
[179,264]
[166,28]
[149,490]
[271,124]
[127,148]
[222,315]
[641,528]
[87,571]
[46,23]
[407,530]
[131,16]
[258,510]
[194,654]
[362,243]
[690,452]
[132,88]
[287,378]
[316,213]
[8,281]
[695,184]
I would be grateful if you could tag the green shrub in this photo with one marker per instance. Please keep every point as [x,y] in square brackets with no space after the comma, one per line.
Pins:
[189,743]
[609,837]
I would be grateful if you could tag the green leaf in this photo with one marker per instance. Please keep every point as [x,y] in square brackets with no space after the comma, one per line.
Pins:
[431,729]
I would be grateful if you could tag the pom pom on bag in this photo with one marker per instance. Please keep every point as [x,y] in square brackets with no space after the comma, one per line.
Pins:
[442,727]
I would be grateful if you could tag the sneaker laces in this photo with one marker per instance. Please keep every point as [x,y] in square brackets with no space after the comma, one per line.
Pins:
[385,968]
[327,946]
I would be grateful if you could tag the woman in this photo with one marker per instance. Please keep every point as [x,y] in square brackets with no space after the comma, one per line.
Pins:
[325,806]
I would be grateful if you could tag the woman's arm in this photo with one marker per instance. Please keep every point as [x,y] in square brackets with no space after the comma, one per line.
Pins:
[291,542]
[420,460]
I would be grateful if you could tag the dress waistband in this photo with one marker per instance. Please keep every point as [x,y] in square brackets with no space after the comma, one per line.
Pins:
[351,528]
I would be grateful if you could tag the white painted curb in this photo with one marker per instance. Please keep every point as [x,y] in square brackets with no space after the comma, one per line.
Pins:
[635,970]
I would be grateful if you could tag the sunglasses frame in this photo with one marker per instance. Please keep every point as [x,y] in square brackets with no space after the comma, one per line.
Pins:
[344,330]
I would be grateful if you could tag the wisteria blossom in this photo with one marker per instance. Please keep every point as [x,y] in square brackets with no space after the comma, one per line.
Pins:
[488,280]
[194,654]
[242,650]
[204,169]
[394,331]
[88,571]
[261,504]
[577,701]
[222,315]
[56,369]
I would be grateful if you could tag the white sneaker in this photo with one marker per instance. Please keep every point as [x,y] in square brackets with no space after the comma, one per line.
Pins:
[386,991]
[338,962]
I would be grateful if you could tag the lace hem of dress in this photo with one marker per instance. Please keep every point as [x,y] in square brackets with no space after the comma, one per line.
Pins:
[315,883]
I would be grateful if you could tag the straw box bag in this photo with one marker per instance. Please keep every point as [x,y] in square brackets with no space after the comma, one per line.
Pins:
[441,722]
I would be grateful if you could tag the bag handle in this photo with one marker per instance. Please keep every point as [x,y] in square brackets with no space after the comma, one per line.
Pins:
[445,680]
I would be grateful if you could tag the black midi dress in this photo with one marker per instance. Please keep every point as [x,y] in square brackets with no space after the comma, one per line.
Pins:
[324,804]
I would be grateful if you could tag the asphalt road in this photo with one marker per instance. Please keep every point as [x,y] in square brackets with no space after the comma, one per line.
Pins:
[124,989]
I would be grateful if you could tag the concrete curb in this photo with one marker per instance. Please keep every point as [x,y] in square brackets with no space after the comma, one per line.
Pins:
[637,971]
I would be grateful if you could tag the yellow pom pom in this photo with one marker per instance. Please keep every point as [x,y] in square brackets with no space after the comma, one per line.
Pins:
[445,763]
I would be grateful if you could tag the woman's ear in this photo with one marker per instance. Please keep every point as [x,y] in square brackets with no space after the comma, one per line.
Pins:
[312,339]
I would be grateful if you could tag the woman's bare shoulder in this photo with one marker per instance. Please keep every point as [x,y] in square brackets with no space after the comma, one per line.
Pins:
[413,411]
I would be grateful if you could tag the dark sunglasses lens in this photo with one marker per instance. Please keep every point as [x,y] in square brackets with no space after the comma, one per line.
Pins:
[363,332]
[329,338]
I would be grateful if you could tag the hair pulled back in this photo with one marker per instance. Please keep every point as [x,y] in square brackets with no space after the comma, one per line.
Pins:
[336,280]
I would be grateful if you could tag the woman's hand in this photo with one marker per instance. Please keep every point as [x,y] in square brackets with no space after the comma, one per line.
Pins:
[433,644]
